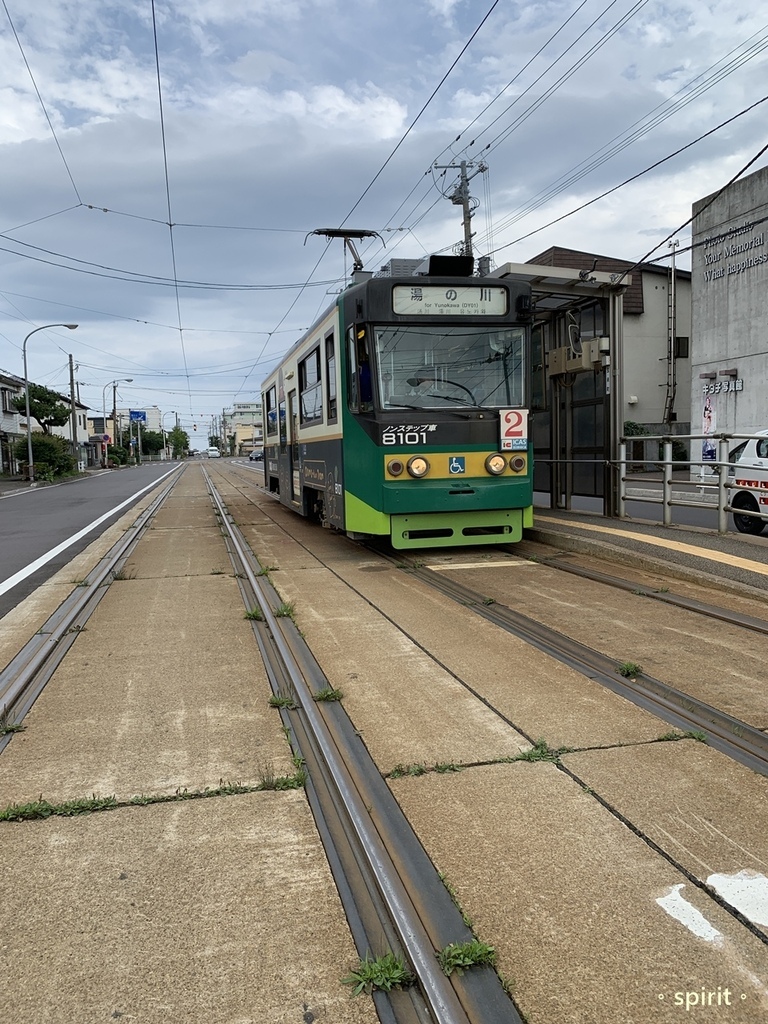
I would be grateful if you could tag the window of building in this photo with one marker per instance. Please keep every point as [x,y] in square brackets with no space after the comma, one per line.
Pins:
[681,348]
[310,388]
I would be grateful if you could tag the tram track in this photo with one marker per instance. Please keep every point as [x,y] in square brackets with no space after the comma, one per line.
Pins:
[728,734]
[592,664]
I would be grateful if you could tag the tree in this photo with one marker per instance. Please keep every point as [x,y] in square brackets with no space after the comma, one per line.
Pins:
[151,441]
[51,455]
[179,439]
[45,406]
[213,441]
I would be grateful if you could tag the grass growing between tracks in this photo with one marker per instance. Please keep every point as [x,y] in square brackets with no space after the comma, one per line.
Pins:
[382,973]
[7,726]
[38,809]
[460,956]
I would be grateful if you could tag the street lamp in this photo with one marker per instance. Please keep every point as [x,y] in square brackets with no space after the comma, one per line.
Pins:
[112,383]
[170,412]
[71,327]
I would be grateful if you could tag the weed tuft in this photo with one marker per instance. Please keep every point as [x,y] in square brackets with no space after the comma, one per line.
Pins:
[460,956]
[6,725]
[538,752]
[285,611]
[122,574]
[629,669]
[254,614]
[381,973]
[282,702]
[328,694]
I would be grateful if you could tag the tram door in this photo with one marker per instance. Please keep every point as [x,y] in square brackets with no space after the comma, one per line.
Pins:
[293,446]
[570,428]
[578,406]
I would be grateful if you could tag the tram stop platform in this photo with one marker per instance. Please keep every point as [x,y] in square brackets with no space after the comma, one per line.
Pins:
[734,561]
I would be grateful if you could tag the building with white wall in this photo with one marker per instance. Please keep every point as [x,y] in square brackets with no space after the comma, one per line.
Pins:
[730,309]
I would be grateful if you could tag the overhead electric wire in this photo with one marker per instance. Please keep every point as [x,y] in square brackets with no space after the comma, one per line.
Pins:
[512,81]
[701,209]
[40,100]
[634,177]
[413,123]
[568,74]
[595,48]
[642,127]
[133,277]
[168,187]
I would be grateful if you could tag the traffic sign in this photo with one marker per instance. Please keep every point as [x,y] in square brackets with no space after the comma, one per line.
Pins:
[137,416]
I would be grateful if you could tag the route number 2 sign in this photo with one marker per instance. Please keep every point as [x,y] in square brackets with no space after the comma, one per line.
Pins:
[514,430]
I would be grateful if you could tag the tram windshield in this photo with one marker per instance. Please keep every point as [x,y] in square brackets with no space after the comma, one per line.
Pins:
[428,367]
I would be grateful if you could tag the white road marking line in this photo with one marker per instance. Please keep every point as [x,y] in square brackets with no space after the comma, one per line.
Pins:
[22,574]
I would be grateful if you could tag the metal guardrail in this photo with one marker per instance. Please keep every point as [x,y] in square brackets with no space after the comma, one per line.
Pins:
[721,468]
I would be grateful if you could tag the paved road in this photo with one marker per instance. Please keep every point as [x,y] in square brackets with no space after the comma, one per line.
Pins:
[43,528]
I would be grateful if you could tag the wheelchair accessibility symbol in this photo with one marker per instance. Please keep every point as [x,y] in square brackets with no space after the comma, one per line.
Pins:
[456,465]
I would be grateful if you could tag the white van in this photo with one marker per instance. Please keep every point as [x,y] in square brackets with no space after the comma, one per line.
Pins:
[749,466]
[213,453]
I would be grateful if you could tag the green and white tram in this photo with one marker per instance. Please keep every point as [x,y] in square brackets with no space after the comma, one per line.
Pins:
[403,412]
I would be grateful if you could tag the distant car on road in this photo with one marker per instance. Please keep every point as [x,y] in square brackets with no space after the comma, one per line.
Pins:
[256,456]
[214,453]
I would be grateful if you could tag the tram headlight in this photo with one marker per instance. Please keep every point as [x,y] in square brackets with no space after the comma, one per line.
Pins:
[495,464]
[517,464]
[418,466]
[395,467]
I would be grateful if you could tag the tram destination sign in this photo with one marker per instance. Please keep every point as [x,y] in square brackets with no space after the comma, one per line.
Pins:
[439,300]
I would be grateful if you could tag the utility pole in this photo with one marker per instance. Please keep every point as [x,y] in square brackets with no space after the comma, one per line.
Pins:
[73,415]
[461,197]
[669,404]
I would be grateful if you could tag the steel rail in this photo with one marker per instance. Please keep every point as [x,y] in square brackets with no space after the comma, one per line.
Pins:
[737,739]
[444,1003]
[25,676]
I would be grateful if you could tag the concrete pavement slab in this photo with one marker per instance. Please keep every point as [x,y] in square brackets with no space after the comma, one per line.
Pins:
[366,656]
[572,905]
[197,551]
[707,659]
[216,911]
[705,810]
[430,717]
[182,701]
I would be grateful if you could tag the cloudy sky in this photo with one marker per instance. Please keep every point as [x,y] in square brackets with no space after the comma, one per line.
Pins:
[162,163]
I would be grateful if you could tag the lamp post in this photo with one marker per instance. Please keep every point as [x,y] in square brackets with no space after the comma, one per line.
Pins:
[112,383]
[30,460]
[170,412]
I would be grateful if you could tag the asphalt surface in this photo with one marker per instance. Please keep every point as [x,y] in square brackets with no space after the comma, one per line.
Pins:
[43,526]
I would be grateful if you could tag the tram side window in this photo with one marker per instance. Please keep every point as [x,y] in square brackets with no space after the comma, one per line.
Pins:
[310,385]
[330,378]
[270,411]
[360,387]
[283,431]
